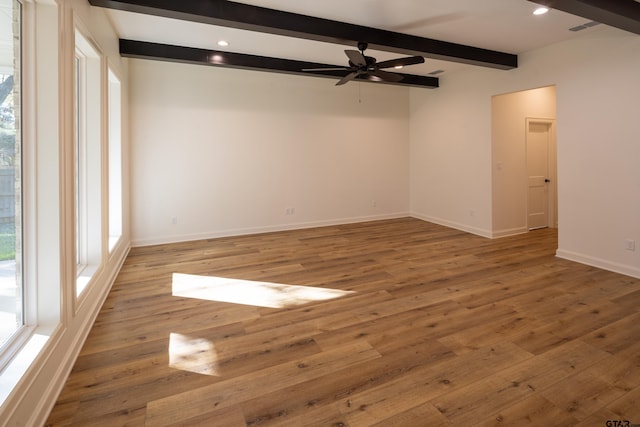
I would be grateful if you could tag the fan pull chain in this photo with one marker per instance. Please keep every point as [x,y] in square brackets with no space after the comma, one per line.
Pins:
[359,92]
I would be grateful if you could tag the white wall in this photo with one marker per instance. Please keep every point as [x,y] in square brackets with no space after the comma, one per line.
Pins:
[227,151]
[596,76]
[599,152]
[451,152]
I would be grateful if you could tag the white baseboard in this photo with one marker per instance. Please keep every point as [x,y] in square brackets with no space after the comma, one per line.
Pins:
[458,226]
[627,270]
[257,230]
[509,232]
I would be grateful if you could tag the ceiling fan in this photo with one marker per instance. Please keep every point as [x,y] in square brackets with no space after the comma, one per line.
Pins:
[359,65]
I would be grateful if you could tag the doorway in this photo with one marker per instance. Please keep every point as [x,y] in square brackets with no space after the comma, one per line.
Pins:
[541,182]
[516,205]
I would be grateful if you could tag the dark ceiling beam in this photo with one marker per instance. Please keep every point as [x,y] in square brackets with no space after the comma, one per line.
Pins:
[190,55]
[623,14]
[253,18]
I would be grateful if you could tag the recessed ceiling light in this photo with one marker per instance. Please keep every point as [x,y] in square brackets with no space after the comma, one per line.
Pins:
[216,59]
[223,43]
[541,11]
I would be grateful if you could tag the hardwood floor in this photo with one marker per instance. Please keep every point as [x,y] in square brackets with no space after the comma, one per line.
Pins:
[387,323]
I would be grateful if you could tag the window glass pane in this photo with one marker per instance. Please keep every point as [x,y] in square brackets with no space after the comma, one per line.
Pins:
[88,161]
[11,305]
[115,161]
[80,259]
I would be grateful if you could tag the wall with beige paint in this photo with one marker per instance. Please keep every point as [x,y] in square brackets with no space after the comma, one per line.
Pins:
[508,155]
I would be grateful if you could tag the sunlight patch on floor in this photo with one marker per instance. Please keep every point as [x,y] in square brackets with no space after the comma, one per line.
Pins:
[192,354]
[249,292]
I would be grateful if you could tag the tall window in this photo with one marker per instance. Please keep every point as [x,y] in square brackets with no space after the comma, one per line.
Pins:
[88,212]
[79,162]
[115,160]
[11,290]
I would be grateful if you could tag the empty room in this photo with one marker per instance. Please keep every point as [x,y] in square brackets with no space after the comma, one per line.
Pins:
[407,213]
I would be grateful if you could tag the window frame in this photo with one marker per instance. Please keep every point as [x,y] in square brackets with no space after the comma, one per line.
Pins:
[88,159]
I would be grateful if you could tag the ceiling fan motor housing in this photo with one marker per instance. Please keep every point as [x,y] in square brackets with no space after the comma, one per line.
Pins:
[370,65]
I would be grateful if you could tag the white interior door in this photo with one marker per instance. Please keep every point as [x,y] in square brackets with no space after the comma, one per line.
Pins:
[538,138]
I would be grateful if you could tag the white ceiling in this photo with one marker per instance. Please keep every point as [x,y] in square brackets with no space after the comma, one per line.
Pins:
[503,25]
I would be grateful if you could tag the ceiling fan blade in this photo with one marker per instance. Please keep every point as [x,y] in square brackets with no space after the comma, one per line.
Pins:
[356,58]
[326,69]
[386,76]
[401,62]
[348,78]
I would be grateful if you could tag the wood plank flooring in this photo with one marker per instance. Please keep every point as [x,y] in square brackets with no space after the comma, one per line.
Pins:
[386,323]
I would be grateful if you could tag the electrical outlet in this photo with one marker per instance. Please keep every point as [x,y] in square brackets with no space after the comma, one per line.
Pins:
[630,245]
[374,204]
[174,220]
[472,212]
[289,211]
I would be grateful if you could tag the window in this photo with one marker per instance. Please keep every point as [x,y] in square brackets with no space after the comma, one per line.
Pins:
[11,289]
[115,160]
[79,163]
[54,128]
[88,213]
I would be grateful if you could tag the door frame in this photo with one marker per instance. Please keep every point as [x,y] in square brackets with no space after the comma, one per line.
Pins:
[552,159]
